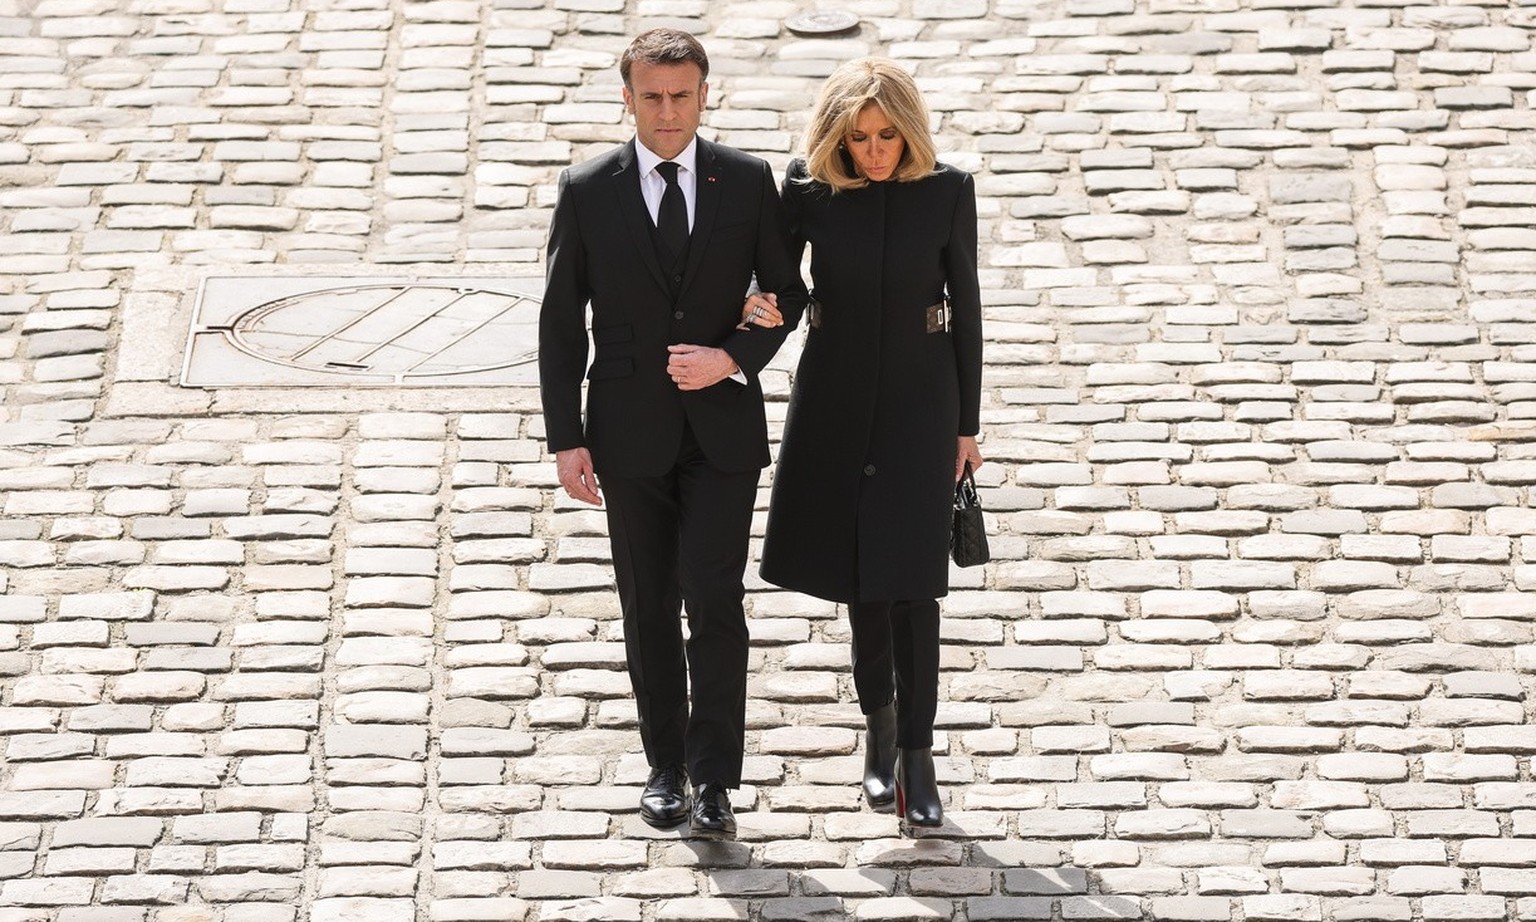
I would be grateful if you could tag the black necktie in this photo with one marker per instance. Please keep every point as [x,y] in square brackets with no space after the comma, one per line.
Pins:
[672,217]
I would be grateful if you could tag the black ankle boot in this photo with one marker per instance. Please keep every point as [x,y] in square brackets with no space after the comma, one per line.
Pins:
[880,756]
[917,789]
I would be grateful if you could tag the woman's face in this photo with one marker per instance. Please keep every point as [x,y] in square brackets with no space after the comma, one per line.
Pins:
[874,144]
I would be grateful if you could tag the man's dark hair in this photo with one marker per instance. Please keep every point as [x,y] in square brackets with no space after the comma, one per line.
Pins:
[664,46]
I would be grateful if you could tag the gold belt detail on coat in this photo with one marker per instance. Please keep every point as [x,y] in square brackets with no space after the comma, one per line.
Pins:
[938,316]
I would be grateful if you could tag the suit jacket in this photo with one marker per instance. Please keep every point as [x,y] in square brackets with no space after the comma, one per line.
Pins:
[601,253]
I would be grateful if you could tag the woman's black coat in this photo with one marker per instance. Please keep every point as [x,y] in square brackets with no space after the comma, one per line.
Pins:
[863,491]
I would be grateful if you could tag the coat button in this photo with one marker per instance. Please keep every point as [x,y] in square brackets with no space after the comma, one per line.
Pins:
[677,315]
[677,278]
[869,470]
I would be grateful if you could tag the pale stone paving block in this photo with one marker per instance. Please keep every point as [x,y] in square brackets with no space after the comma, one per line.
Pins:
[1276,187]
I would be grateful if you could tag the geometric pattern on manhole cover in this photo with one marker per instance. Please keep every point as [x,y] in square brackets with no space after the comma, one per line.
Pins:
[406,331]
[396,332]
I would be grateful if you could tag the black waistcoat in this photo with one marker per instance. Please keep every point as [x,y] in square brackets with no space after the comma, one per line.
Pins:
[672,266]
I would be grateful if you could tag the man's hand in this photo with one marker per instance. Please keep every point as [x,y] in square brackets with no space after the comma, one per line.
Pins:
[574,466]
[694,368]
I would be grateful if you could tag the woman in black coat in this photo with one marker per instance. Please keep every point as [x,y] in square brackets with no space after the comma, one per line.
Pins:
[885,408]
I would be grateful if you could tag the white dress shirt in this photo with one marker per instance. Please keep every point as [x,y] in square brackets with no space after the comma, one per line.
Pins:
[652,187]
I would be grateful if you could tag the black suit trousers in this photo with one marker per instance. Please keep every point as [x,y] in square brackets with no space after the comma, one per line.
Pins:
[679,540]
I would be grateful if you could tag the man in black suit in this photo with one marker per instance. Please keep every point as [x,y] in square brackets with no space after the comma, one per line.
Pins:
[662,237]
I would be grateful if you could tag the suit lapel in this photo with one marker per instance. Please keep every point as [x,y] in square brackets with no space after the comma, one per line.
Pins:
[706,198]
[626,186]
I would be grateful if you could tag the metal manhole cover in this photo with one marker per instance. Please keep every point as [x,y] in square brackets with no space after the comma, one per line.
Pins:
[821,22]
[341,332]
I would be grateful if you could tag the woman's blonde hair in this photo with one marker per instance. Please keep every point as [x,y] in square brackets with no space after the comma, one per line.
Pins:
[851,87]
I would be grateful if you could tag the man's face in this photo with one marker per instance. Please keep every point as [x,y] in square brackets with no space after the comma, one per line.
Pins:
[666,101]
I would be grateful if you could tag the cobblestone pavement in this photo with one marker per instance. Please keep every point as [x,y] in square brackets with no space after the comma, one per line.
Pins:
[1260,402]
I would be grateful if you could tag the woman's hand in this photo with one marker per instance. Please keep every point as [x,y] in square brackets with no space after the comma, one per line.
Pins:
[966,452]
[761,309]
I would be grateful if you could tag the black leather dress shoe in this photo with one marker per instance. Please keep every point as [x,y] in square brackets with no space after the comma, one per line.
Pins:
[664,802]
[712,817]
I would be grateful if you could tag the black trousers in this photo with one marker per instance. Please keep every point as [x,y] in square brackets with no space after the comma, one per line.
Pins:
[681,540]
[896,656]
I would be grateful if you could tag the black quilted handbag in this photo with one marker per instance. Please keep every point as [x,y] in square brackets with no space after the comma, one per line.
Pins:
[968,539]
